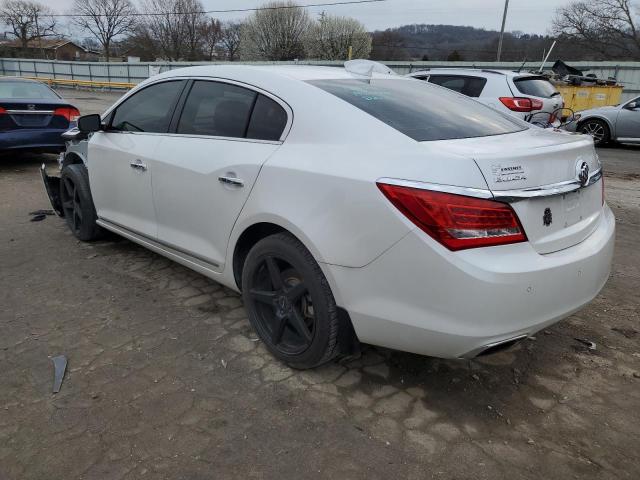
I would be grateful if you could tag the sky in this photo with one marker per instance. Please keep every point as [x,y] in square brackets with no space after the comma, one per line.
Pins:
[529,16]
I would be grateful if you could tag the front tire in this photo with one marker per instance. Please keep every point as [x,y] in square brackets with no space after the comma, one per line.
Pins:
[77,203]
[289,302]
[598,129]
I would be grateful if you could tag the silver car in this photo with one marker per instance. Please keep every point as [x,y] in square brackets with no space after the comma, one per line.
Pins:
[620,123]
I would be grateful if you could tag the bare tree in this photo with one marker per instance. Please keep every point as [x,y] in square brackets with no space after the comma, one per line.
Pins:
[330,38]
[607,26]
[231,39]
[175,26]
[276,32]
[28,20]
[104,19]
[211,35]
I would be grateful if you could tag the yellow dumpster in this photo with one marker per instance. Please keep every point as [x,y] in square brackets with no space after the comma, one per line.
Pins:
[583,97]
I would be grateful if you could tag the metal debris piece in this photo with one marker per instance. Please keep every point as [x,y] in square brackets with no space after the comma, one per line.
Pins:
[59,367]
[38,218]
[224,363]
[590,345]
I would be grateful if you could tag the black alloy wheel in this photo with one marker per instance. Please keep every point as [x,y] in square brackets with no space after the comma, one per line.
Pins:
[70,196]
[77,204]
[289,302]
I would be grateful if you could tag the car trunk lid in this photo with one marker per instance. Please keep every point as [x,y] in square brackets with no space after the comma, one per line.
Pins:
[537,172]
[16,115]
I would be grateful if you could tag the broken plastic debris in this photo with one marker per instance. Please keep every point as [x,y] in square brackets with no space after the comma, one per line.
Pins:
[590,345]
[38,218]
[59,367]
[224,363]
[42,212]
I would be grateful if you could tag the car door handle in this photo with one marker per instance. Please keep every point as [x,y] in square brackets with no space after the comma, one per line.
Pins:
[138,165]
[236,182]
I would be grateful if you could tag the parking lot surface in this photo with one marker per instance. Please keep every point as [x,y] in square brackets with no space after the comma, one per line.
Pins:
[166,378]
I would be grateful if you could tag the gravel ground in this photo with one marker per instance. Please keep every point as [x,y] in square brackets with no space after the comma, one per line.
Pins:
[166,378]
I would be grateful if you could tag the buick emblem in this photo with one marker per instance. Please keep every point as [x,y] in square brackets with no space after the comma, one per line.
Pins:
[547,218]
[583,173]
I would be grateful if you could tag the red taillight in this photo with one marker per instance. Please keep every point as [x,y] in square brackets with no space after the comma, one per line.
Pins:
[456,221]
[2,111]
[521,104]
[70,113]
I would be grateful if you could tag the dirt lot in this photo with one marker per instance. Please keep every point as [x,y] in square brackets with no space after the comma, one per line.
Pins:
[166,378]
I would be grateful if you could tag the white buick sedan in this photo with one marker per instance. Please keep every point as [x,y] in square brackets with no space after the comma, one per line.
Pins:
[347,207]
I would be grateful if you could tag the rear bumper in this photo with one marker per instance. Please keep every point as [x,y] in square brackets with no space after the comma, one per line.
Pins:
[420,297]
[45,139]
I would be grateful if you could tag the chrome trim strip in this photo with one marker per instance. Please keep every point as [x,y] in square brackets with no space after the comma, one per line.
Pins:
[438,187]
[158,246]
[30,112]
[550,190]
[508,196]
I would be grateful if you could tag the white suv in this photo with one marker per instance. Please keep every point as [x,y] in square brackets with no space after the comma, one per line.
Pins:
[525,95]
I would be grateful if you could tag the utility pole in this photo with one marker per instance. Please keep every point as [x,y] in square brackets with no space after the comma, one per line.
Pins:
[504,20]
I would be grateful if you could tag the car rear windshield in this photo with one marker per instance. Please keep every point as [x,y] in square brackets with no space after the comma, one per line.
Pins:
[419,110]
[536,87]
[30,90]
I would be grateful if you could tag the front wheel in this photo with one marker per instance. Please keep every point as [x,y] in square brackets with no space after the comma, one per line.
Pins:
[289,302]
[598,129]
[77,204]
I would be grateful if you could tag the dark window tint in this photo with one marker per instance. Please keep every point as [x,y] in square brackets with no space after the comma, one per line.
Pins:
[27,90]
[536,87]
[217,109]
[420,111]
[267,121]
[469,86]
[149,110]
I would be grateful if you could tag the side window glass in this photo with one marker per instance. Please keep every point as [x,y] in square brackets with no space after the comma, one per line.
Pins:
[217,109]
[474,86]
[267,121]
[149,110]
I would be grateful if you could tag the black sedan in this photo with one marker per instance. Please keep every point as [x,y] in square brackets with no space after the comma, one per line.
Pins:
[33,116]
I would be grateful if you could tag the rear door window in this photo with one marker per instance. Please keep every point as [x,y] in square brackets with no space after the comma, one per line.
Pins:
[420,111]
[267,121]
[148,110]
[217,109]
[536,87]
[469,86]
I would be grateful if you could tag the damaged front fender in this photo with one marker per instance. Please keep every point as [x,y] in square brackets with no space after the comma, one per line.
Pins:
[52,186]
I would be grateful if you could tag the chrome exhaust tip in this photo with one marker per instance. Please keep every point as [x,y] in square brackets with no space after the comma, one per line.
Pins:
[494,347]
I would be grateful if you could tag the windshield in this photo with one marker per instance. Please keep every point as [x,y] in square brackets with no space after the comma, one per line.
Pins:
[421,111]
[536,87]
[30,90]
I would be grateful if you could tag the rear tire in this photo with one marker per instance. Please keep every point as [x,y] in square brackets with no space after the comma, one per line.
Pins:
[598,129]
[290,304]
[77,203]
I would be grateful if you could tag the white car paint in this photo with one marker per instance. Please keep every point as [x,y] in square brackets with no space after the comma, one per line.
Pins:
[499,83]
[401,288]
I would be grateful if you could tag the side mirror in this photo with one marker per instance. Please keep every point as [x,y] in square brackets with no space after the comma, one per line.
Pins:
[632,105]
[90,123]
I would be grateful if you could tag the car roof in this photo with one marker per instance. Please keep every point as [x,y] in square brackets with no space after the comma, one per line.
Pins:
[291,72]
[18,79]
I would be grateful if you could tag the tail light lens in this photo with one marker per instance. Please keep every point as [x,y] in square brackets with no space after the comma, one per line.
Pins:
[70,113]
[456,221]
[521,104]
[2,111]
